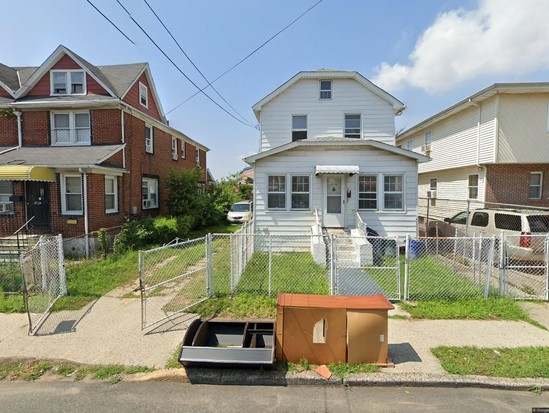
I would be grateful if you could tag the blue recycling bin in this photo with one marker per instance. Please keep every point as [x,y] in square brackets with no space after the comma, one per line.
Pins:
[417,248]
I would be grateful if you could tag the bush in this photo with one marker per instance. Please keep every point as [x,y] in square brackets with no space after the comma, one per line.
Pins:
[11,279]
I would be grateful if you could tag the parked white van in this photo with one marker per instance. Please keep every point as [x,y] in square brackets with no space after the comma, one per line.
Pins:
[240,212]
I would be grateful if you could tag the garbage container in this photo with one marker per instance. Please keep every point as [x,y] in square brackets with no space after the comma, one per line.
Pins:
[417,248]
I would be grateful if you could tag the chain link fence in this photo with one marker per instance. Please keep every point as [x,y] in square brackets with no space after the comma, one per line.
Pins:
[43,269]
[89,245]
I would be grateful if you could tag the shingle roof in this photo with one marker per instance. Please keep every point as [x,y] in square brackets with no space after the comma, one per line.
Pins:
[121,77]
[8,76]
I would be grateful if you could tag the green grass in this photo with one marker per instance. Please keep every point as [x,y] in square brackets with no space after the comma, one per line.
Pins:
[173,362]
[11,303]
[343,370]
[501,362]
[240,306]
[469,309]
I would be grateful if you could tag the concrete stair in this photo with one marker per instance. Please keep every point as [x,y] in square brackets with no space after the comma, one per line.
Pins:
[10,248]
[347,255]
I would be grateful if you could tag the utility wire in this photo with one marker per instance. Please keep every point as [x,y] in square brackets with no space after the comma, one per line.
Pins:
[115,26]
[191,61]
[249,55]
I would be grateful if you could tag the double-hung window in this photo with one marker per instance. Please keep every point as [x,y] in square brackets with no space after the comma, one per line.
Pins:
[149,139]
[111,194]
[68,82]
[174,149]
[70,128]
[6,191]
[300,191]
[367,192]
[393,195]
[150,193]
[143,97]
[276,192]
[299,127]
[325,90]
[197,156]
[472,186]
[535,185]
[71,195]
[428,138]
[183,151]
[410,145]
[353,126]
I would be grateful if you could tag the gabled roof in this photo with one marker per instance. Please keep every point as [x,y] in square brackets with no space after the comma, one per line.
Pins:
[336,143]
[330,74]
[474,99]
[8,79]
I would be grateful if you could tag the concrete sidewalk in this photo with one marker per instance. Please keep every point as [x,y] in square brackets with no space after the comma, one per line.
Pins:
[108,332]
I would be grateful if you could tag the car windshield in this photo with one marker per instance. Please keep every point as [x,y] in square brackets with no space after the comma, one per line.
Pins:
[240,208]
[538,223]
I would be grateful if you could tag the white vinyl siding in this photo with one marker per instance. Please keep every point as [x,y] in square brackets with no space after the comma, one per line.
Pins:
[71,195]
[325,119]
[111,194]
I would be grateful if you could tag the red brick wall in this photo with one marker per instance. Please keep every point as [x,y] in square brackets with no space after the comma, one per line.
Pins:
[106,126]
[508,183]
[8,131]
[132,98]
[35,127]
[10,223]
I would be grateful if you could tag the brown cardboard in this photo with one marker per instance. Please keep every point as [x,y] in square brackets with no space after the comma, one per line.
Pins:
[367,336]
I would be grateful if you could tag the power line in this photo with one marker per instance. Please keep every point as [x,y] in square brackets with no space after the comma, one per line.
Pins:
[115,26]
[191,61]
[249,55]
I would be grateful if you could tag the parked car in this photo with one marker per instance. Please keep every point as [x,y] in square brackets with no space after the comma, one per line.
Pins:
[526,231]
[240,212]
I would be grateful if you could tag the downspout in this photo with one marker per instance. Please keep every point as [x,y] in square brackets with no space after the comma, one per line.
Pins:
[19,133]
[123,141]
[86,217]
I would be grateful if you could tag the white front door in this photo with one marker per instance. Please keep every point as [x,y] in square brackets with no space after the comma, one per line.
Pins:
[333,216]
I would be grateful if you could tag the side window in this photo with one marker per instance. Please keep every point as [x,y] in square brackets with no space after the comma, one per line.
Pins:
[460,218]
[480,219]
[507,221]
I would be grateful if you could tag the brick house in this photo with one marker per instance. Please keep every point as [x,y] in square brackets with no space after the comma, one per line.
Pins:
[85,147]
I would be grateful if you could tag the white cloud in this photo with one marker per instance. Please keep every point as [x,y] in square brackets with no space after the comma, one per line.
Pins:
[499,37]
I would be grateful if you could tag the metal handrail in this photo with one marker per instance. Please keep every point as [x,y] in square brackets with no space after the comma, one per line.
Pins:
[16,233]
[361,224]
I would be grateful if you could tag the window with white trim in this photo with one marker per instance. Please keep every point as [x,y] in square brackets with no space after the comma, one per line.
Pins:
[149,139]
[428,138]
[367,192]
[410,145]
[6,192]
[433,183]
[174,149]
[535,185]
[300,194]
[67,82]
[325,90]
[183,151]
[393,194]
[299,127]
[353,126]
[472,186]
[111,194]
[70,128]
[71,195]
[143,96]
[197,156]
[276,192]
[149,193]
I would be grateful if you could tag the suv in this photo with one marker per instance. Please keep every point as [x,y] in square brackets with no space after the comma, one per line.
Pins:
[526,232]
[240,212]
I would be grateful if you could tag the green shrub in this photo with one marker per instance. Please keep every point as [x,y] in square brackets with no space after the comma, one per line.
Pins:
[11,279]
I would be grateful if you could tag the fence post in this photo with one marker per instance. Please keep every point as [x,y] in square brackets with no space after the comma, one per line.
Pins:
[489,262]
[547,269]
[270,263]
[332,264]
[61,261]
[406,267]
[502,266]
[209,266]
[43,269]
[141,267]
[232,249]
[467,221]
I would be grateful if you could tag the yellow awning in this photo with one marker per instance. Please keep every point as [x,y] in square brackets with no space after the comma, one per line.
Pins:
[26,173]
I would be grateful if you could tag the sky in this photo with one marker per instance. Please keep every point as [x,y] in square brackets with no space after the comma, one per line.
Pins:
[429,54]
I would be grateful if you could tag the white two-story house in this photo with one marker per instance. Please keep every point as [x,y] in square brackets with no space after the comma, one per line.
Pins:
[327,150]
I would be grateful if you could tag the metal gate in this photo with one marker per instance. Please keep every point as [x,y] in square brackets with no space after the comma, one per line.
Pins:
[44,281]
[174,278]
[366,266]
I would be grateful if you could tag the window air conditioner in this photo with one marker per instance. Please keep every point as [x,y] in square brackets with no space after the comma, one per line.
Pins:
[6,206]
[426,148]
[432,194]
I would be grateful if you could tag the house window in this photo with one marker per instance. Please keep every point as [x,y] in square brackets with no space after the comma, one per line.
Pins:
[70,128]
[71,195]
[197,156]
[325,90]
[433,184]
[300,191]
[276,192]
[174,149]
[111,194]
[392,192]
[472,186]
[143,97]
[68,82]
[352,126]
[367,192]
[6,191]
[149,139]
[428,138]
[535,185]
[299,127]
[150,193]
[410,145]
[183,151]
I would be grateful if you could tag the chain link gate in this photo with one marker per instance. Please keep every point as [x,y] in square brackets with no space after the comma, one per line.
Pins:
[44,281]
[174,278]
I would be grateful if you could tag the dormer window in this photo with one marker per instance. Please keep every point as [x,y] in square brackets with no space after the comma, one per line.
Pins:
[68,82]
[325,90]
[143,98]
